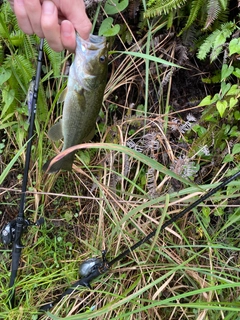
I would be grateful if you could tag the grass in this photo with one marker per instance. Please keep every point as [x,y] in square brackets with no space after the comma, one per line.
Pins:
[121,189]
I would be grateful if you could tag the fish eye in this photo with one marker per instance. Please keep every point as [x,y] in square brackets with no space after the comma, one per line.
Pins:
[102,59]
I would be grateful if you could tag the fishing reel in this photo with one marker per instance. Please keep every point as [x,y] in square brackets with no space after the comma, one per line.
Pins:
[9,230]
[89,270]
[92,268]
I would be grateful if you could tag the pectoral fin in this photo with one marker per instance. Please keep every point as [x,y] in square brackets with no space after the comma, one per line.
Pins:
[55,132]
[62,95]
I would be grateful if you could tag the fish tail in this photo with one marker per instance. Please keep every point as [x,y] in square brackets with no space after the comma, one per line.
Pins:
[63,164]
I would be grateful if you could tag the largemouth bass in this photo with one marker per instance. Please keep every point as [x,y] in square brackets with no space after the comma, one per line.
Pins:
[82,98]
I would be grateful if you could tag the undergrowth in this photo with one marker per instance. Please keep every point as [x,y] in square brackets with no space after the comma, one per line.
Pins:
[166,134]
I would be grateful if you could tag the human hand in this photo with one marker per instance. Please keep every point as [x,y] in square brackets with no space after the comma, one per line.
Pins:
[55,20]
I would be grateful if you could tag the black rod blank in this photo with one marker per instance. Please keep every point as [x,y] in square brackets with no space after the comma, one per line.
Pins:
[20,221]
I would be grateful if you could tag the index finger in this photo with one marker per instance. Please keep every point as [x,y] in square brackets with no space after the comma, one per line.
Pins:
[76,14]
[28,13]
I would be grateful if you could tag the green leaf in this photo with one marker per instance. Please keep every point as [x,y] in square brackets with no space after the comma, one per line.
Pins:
[236,148]
[7,125]
[11,163]
[115,6]
[200,130]
[209,100]
[233,132]
[228,158]
[233,102]
[206,101]
[68,216]
[226,71]
[219,40]
[237,115]
[221,107]
[234,46]
[85,157]
[236,72]
[8,97]
[225,87]
[106,29]
[5,74]
[234,90]
[224,4]
[214,79]
[17,37]
[206,216]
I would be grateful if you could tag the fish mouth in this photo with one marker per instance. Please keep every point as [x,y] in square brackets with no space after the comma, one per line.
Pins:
[87,63]
[93,43]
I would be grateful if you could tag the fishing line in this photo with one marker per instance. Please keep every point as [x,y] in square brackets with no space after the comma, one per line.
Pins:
[94,267]
[12,232]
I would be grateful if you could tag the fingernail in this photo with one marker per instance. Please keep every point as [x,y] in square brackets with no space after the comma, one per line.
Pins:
[48,7]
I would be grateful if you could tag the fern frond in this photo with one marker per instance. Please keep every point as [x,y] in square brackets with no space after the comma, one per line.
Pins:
[224,4]
[170,20]
[24,68]
[55,59]
[195,7]
[30,43]
[215,41]
[16,38]
[223,17]
[8,20]
[207,45]
[4,33]
[213,11]
[163,6]
[189,36]
[22,72]
[226,31]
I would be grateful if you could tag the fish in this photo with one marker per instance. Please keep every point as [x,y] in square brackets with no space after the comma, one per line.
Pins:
[82,98]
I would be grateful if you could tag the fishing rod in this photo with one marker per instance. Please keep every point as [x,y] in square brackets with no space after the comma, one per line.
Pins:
[13,231]
[92,268]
